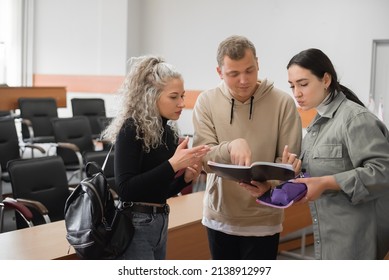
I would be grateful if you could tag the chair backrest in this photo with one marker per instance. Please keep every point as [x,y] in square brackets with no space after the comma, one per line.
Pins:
[9,143]
[75,130]
[42,179]
[104,122]
[92,108]
[39,111]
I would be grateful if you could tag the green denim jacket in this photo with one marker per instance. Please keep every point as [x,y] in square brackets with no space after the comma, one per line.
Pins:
[352,144]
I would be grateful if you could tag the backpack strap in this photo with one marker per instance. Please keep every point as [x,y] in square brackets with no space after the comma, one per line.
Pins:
[96,167]
[106,158]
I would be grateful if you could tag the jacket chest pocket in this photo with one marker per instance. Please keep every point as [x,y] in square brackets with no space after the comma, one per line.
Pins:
[328,158]
[328,151]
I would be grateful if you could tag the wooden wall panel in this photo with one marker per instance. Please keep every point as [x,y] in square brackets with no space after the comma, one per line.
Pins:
[81,83]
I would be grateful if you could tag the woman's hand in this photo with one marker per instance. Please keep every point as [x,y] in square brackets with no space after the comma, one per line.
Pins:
[184,157]
[192,172]
[292,159]
[316,186]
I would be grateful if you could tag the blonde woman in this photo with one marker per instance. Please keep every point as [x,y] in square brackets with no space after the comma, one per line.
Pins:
[147,154]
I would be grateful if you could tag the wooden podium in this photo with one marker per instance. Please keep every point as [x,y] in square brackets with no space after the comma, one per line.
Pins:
[9,95]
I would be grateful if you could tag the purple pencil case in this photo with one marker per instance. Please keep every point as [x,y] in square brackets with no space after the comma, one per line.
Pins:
[284,195]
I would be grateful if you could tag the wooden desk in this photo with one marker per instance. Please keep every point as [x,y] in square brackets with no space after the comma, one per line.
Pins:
[9,95]
[36,243]
[297,217]
[186,240]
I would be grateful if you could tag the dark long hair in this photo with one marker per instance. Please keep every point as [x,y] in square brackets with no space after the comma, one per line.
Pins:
[318,63]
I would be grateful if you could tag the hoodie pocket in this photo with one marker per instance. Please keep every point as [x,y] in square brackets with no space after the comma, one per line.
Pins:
[212,189]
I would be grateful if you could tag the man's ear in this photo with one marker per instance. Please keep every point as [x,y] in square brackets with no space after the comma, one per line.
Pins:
[219,71]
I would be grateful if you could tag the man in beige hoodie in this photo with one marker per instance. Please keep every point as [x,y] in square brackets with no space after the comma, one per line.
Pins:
[244,119]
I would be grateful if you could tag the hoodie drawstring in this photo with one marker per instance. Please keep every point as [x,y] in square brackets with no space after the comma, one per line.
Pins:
[232,109]
[251,106]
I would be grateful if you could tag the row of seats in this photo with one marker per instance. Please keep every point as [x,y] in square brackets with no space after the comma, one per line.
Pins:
[36,114]
[42,183]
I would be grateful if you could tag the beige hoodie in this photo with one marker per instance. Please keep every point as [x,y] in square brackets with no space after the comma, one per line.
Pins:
[271,123]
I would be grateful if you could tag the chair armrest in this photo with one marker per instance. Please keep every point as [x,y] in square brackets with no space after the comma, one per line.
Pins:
[19,206]
[38,206]
[10,203]
[28,124]
[34,204]
[76,150]
[70,146]
[30,146]
[25,121]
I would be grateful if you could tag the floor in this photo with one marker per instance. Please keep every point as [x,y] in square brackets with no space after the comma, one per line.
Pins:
[295,239]
[305,254]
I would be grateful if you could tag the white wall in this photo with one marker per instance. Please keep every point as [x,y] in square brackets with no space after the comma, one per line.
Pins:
[87,37]
[187,33]
[98,37]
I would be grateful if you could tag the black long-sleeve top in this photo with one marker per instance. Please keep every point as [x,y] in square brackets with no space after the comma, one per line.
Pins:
[145,177]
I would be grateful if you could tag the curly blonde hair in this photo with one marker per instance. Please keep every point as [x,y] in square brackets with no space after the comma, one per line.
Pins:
[139,94]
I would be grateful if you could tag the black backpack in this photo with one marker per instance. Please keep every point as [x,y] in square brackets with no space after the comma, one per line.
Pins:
[96,227]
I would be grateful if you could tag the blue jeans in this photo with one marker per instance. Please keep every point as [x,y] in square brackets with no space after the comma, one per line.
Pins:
[150,237]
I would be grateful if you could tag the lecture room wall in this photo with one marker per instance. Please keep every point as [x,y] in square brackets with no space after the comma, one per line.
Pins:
[95,38]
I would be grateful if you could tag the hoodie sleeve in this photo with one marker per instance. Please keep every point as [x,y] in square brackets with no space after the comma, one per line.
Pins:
[205,132]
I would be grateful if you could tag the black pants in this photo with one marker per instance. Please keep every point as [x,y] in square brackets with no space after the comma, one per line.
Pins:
[232,247]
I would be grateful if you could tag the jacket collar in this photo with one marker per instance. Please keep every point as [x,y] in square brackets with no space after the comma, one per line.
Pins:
[329,110]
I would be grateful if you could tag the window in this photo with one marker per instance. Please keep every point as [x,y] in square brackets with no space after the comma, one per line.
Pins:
[379,85]
[15,42]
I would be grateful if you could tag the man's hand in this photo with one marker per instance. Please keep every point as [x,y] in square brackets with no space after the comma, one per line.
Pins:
[240,152]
